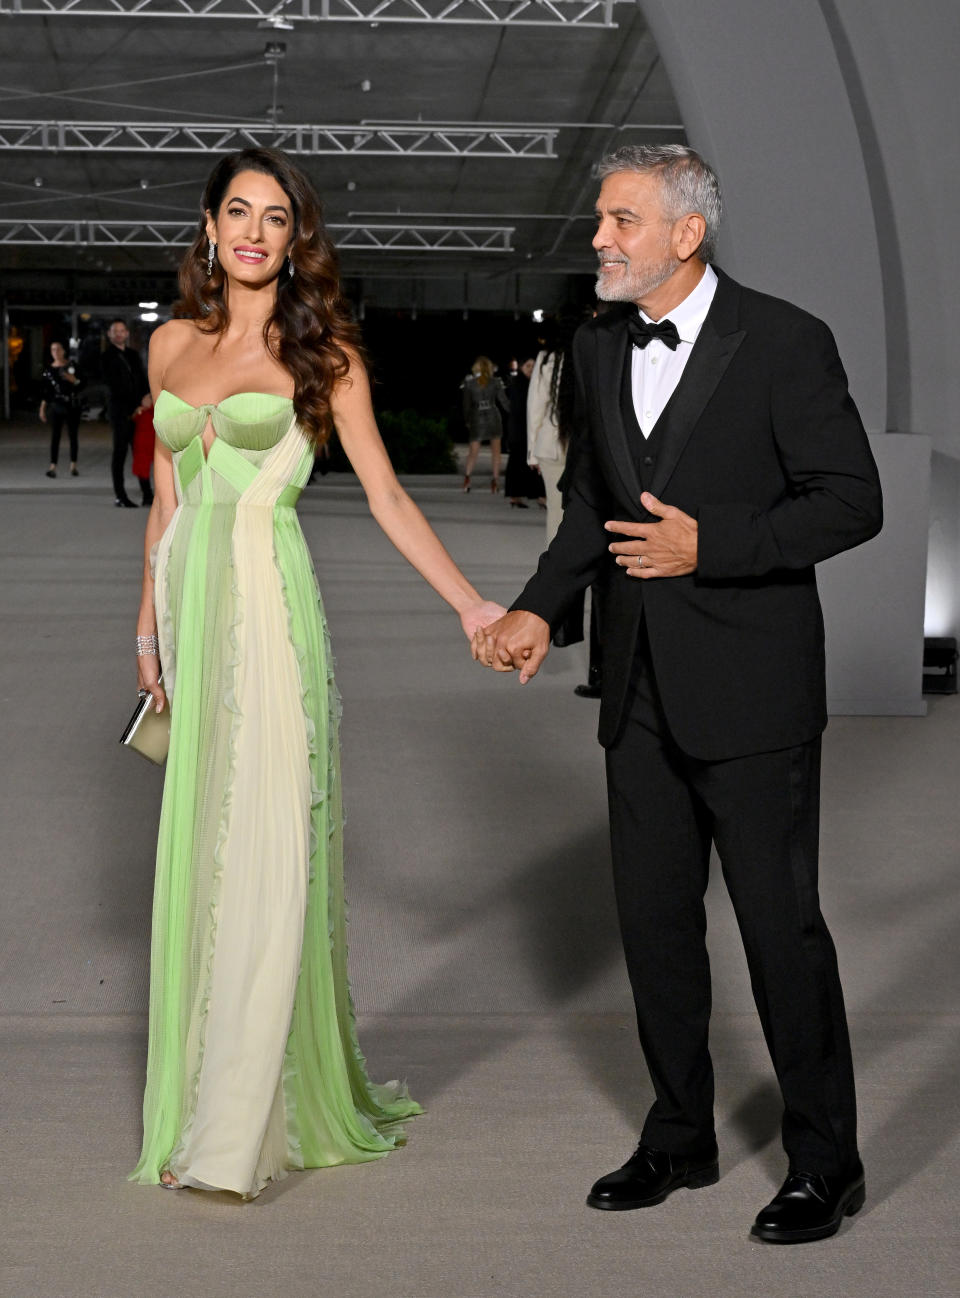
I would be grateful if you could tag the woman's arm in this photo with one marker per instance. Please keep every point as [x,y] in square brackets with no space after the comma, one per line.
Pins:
[398,516]
[161,512]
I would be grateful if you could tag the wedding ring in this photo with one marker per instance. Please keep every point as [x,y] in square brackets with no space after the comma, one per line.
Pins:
[639,560]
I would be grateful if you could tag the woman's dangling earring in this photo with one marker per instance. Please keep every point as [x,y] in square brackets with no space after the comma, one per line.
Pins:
[210,258]
[290,266]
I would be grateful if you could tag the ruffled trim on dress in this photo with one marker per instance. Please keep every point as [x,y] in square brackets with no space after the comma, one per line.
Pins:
[165,632]
[382,1125]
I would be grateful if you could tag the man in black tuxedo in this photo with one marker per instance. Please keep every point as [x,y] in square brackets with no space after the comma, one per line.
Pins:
[129,389]
[721,457]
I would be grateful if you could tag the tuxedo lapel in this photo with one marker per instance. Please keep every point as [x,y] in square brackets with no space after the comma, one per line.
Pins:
[612,347]
[713,351]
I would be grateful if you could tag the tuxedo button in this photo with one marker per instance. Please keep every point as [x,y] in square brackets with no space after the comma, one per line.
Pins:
[654,360]
[648,459]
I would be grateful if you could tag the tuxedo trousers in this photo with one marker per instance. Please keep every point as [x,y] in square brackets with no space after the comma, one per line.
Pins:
[122,426]
[762,812]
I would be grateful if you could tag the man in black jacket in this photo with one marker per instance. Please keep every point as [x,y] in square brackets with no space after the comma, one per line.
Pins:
[126,379]
[720,458]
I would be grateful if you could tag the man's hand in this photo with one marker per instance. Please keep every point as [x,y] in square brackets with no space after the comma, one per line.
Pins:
[519,641]
[476,616]
[664,549]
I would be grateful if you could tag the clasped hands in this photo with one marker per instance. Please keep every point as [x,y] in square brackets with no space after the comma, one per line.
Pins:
[519,640]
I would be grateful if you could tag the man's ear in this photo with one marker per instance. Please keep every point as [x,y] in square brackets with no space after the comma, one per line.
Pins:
[688,235]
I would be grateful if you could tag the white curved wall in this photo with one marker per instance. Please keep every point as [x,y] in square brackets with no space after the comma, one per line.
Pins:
[763,98]
[833,125]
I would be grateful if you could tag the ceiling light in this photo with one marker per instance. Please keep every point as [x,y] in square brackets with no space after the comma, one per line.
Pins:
[147,306]
[144,184]
[149,316]
[366,85]
[274,51]
[38,181]
[275,23]
[538,315]
[351,185]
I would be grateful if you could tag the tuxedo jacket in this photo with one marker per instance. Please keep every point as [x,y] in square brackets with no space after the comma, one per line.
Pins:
[762,444]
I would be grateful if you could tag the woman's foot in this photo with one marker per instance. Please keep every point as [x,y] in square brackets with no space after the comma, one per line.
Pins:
[466,483]
[494,485]
[169,1181]
[74,471]
[52,471]
[516,503]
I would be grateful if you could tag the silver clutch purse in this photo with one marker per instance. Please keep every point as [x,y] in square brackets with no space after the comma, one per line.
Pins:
[147,733]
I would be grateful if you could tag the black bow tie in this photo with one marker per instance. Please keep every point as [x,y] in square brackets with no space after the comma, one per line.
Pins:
[641,332]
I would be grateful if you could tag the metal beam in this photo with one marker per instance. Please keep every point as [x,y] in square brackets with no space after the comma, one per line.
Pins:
[175,234]
[308,140]
[288,14]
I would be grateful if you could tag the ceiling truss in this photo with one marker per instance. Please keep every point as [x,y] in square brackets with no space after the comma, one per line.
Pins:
[176,234]
[288,14]
[187,137]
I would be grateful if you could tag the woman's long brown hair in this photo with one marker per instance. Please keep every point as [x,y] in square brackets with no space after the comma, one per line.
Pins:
[311,326]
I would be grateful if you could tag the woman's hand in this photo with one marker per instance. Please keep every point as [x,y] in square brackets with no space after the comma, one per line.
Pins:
[43,412]
[148,678]
[476,616]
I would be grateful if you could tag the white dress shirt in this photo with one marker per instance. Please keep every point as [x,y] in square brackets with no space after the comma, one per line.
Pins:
[656,369]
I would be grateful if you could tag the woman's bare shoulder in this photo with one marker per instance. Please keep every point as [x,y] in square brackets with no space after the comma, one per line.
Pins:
[173,335]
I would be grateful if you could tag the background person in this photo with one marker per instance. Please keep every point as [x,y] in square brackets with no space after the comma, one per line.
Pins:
[550,411]
[126,381]
[61,405]
[484,398]
[144,440]
[550,429]
[521,482]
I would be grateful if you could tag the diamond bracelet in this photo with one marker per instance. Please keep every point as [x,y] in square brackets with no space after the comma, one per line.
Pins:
[148,645]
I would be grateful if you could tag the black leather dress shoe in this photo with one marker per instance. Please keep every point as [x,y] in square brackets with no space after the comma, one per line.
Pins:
[124,502]
[650,1175]
[809,1206]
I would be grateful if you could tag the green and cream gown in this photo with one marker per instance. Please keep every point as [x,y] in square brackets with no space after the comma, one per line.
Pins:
[253,1066]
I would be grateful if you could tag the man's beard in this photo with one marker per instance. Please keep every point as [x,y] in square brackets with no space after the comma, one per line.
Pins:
[638,280]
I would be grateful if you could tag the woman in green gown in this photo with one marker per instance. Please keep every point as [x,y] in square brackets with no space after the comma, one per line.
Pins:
[253,1064]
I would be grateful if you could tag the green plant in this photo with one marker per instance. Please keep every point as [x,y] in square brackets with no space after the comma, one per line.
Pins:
[417,443]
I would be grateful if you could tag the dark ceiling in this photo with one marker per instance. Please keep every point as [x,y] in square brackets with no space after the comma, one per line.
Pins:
[589,87]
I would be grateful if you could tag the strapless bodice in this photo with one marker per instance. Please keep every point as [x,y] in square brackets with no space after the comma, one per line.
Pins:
[249,421]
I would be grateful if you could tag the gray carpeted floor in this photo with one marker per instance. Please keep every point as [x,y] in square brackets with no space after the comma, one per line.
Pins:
[484,950]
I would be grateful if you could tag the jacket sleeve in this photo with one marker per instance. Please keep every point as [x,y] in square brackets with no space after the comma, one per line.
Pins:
[140,377]
[108,368]
[832,499]
[579,550]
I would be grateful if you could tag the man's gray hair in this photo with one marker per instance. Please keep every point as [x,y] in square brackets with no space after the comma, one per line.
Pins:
[689,183]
